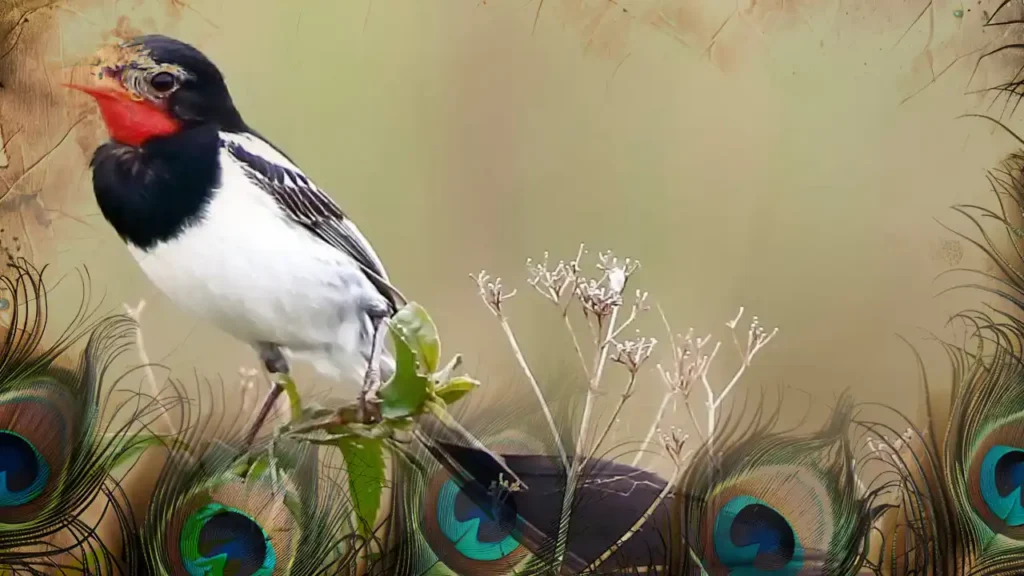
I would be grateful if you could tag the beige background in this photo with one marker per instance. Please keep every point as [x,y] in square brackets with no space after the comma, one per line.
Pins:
[790,157]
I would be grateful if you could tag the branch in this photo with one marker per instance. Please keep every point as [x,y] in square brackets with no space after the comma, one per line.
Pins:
[494,296]
[674,443]
[147,367]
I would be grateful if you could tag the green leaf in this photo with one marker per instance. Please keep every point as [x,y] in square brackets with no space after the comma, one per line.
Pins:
[407,391]
[420,333]
[364,461]
[257,469]
[453,390]
[445,374]
[292,392]
[405,455]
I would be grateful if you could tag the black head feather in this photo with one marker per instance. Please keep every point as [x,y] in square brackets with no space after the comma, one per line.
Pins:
[202,96]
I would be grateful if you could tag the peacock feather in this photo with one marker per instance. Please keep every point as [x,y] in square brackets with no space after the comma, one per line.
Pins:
[960,509]
[55,453]
[781,503]
[545,499]
[221,509]
[761,503]
[470,517]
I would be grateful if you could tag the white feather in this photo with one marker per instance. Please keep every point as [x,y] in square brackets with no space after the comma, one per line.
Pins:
[244,267]
[262,149]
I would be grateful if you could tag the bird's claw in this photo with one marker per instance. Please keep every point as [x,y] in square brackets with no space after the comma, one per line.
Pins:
[369,407]
[369,403]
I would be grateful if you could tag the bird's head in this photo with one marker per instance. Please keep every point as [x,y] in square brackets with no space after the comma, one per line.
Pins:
[155,86]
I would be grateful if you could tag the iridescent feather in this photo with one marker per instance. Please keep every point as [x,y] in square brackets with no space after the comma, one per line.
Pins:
[768,503]
[55,454]
[281,508]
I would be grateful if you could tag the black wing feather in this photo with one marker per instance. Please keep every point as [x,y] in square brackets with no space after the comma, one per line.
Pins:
[310,207]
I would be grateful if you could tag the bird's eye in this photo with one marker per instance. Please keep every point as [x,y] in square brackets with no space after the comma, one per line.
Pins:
[163,82]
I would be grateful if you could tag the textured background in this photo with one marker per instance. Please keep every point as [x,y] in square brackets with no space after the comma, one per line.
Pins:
[788,156]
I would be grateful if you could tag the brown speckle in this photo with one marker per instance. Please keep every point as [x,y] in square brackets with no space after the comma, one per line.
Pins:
[123,30]
[948,251]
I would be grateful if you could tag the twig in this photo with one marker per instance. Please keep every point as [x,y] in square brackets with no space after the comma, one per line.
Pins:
[615,414]
[632,355]
[493,296]
[553,284]
[691,364]
[536,387]
[654,427]
[147,368]
[674,443]
[757,338]
[688,365]
[601,356]
[576,344]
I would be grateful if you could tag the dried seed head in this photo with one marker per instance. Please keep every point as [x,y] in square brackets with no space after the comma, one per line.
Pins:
[596,298]
[617,272]
[491,292]
[674,441]
[633,353]
[552,283]
[690,362]
[757,336]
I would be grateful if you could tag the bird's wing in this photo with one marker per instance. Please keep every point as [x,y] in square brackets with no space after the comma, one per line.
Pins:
[308,206]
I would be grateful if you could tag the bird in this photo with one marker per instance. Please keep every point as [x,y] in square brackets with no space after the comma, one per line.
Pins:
[227,226]
[232,230]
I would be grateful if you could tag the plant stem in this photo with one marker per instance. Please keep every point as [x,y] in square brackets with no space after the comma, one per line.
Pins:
[654,426]
[595,383]
[536,388]
[147,366]
[575,342]
[615,413]
[579,460]
[669,487]
[712,402]
[732,383]
[292,392]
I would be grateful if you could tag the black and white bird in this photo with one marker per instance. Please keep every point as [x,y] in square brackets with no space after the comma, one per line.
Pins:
[227,226]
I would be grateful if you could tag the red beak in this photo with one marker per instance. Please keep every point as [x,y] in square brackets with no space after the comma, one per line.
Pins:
[95,92]
[131,121]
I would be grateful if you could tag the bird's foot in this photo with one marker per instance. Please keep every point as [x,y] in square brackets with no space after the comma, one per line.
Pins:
[369,406]
[369,403]
[261,417]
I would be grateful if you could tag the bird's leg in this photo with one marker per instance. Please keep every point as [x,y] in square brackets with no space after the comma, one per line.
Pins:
[371,380]
[277,365]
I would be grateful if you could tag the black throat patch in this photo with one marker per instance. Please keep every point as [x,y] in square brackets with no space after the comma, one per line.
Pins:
[154,193]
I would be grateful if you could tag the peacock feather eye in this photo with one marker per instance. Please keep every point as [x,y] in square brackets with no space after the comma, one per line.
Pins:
[1002,475]
[467,537]
[55,453]
[219,540]
[766,519]
[477,534]
[36,425]
[220,510]
[750,537]
[778,503]
[995,477]
[23,471]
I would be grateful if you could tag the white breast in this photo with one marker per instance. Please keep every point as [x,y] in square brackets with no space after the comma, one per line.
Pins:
[255,275]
